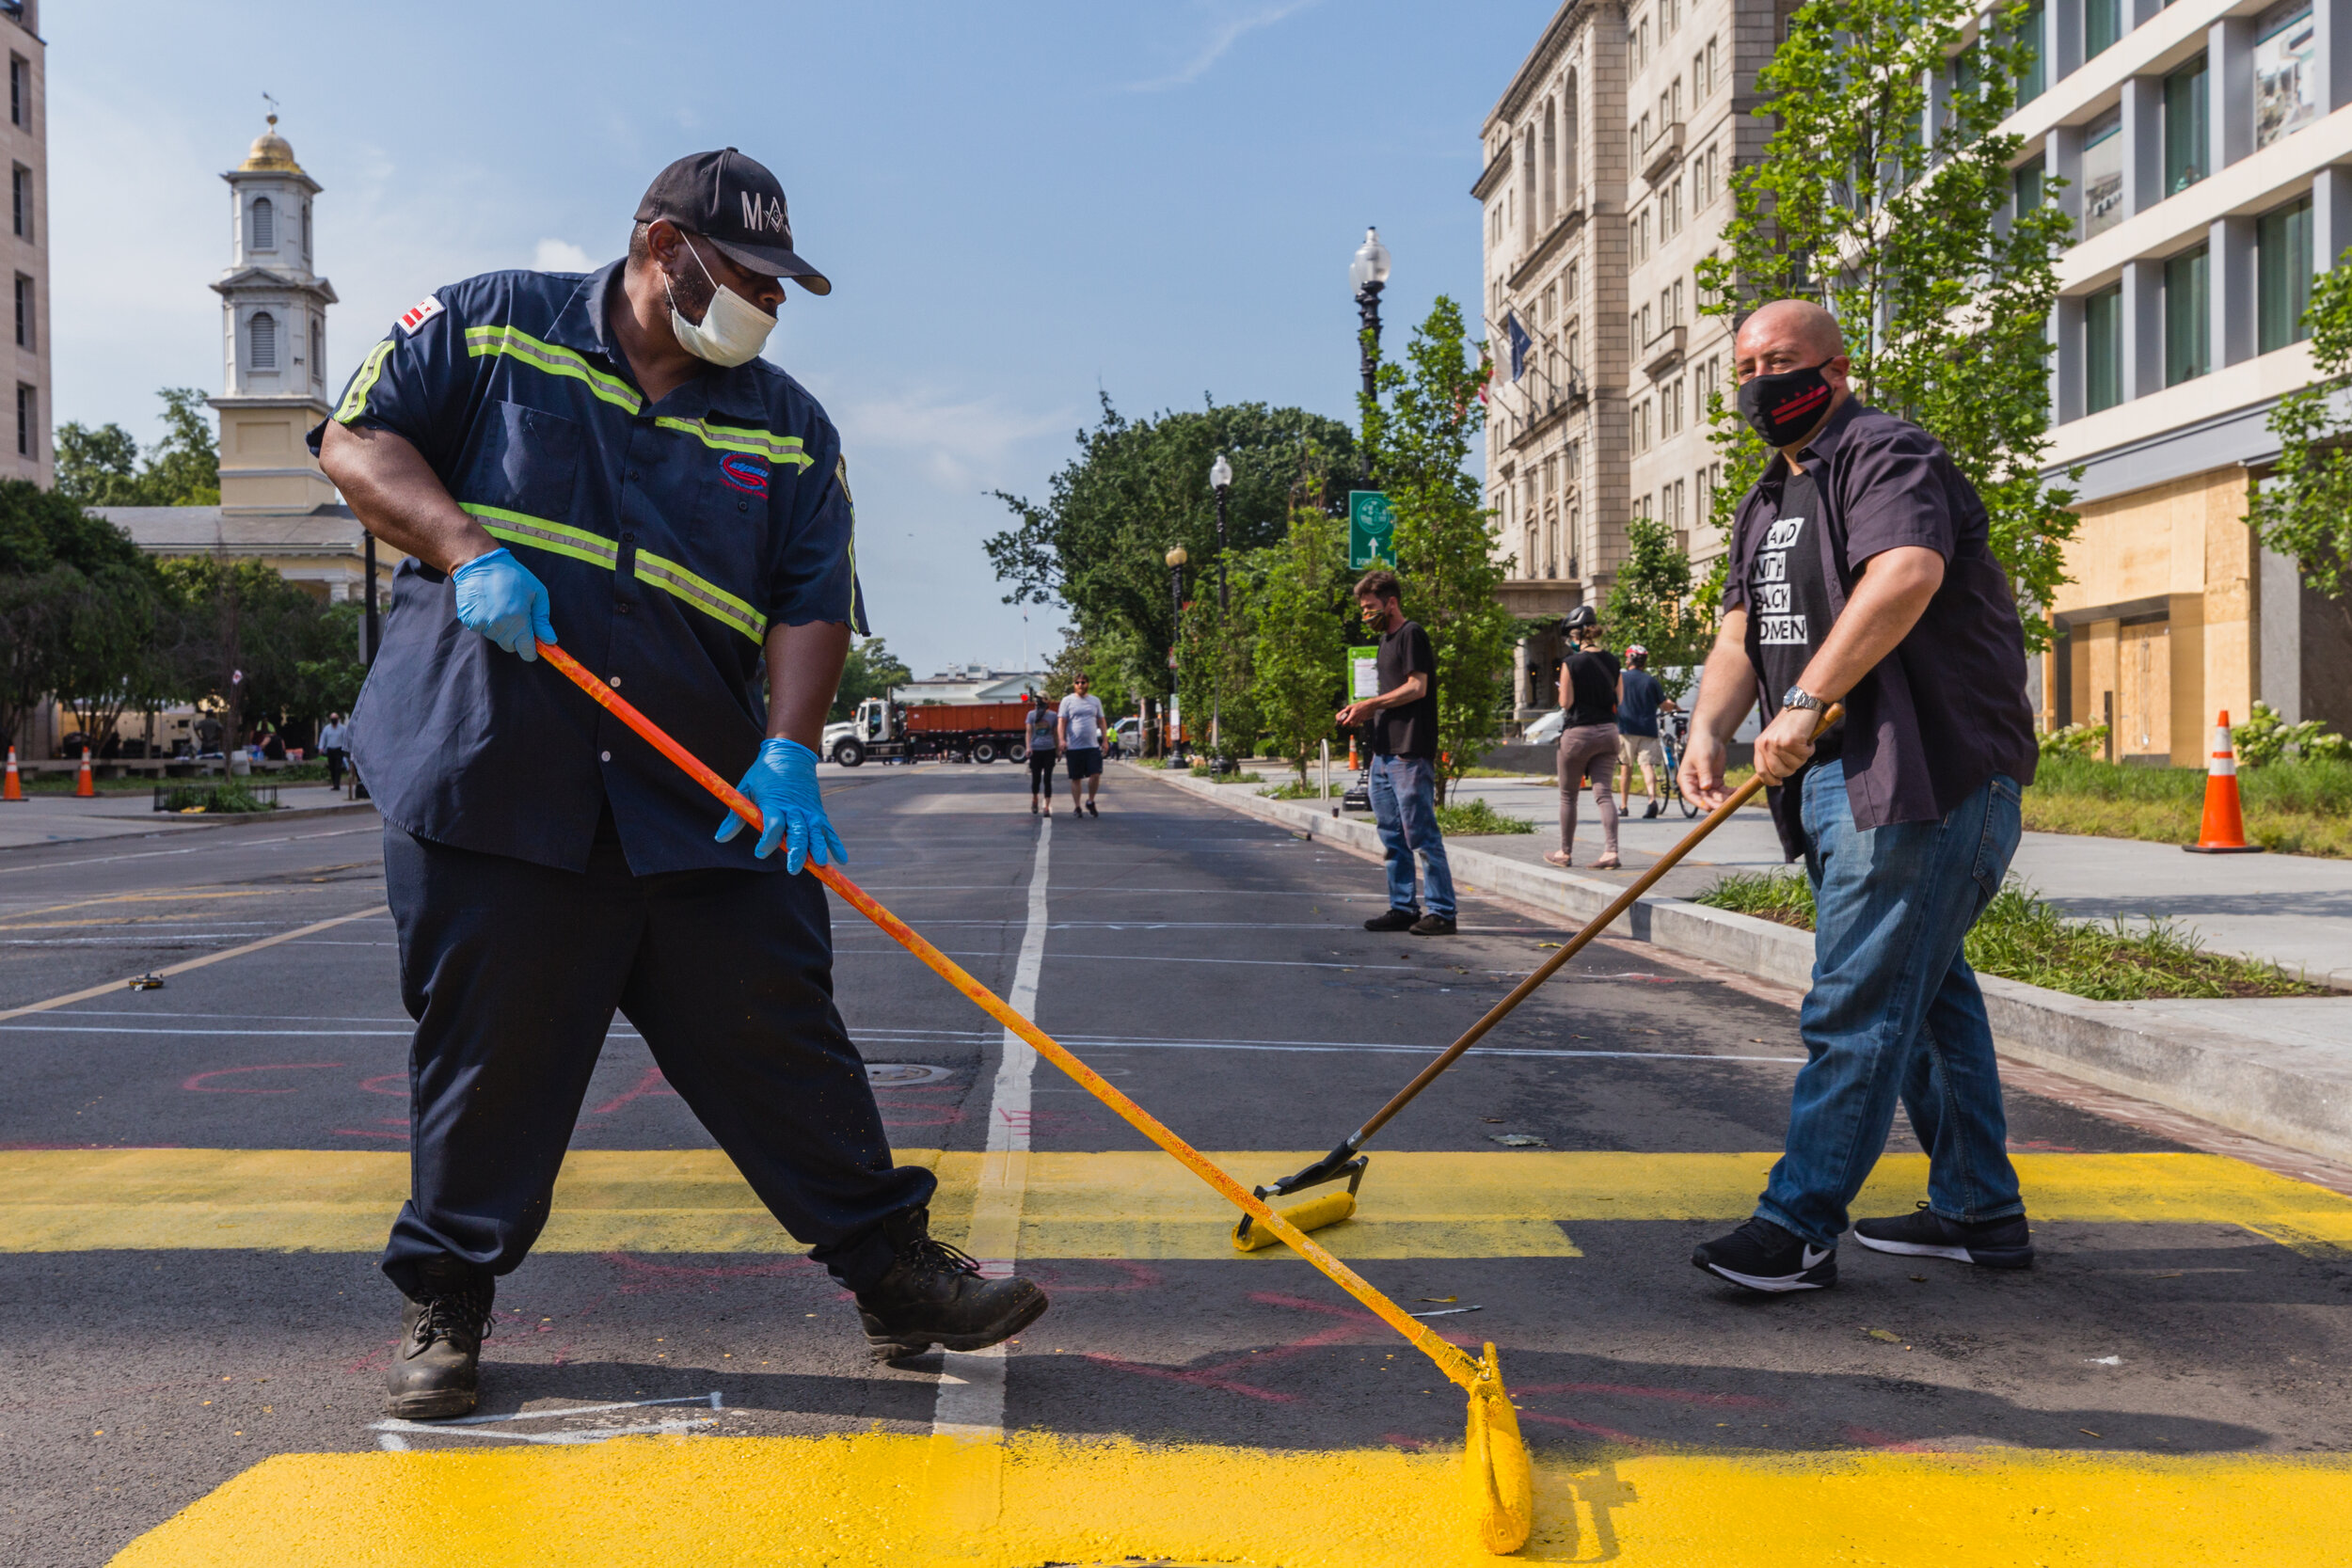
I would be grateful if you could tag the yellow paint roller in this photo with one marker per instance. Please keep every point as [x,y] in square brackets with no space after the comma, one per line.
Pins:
[1498,1479]
[1349,1160]
[1313,1214]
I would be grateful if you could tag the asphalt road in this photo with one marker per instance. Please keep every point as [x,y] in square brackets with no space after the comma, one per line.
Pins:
[193,1180]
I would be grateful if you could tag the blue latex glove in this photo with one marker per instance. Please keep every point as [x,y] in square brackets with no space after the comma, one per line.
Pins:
[782,785]
[498,596]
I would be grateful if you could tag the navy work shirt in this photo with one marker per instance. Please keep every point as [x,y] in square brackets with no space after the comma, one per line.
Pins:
[670,539]
[1947,709]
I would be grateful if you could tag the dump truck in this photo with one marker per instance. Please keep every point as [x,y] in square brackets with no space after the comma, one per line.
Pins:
[885,731]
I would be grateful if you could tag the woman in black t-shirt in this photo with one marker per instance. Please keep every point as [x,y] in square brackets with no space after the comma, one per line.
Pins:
[1588,740]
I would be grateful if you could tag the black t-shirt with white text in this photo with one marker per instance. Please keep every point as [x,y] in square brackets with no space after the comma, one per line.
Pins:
[1788,603]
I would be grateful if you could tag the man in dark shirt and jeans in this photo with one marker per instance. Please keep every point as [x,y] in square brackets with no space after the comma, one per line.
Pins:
[1861,573]
[1404,760]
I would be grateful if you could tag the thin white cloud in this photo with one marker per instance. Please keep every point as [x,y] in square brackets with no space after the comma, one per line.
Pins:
[1221,38]
[959,446]
[560,256]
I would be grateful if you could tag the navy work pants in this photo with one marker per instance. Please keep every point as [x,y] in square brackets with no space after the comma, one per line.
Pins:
[513,973]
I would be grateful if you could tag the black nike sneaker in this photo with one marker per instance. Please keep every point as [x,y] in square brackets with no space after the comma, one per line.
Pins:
[2002,1243]
[1761,1256]
[934,1295]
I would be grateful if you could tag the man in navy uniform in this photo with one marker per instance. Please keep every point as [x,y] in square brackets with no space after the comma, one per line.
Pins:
[607,458]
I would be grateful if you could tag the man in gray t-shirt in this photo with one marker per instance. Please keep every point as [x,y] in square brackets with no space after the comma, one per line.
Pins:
[1080,723]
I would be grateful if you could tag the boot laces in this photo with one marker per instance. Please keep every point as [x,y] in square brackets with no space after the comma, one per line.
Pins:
[461,1315]
[926,1255]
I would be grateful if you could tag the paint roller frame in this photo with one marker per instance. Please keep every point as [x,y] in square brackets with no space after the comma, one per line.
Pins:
[1349,1158]
[1497,1477]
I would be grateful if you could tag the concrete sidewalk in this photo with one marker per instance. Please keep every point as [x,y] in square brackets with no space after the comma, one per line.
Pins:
[2278,1068]
[2295,911]
[45,818]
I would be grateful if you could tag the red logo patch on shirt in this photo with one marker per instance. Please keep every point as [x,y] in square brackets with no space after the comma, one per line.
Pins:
[420,313]
[747,474]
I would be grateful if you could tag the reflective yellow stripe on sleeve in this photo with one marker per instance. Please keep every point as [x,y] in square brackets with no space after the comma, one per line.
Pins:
[486,342]
[370,369]
[728,438]
[519,528]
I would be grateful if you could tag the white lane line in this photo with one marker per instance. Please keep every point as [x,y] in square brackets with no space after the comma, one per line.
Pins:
[191,850]
[391,1434]
[970,1401]
[114,987]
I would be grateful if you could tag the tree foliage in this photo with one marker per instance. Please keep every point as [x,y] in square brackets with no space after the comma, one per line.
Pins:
[1302,614]
[1653,602]
[2303,506]
[75,598]
[1890,205]
[1099,542]
[103,466]
[870,671]
[1418,427]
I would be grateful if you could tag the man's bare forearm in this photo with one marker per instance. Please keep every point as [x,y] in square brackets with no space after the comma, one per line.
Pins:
[399,497]
[803,673]
[1893,594]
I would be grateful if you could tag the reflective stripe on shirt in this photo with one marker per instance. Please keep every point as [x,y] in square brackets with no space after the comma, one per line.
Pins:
[517,528]
[756,443]
[485,341]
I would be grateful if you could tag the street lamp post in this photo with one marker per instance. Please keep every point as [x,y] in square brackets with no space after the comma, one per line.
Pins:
[1220,480]
[1369,272]
[1176,559]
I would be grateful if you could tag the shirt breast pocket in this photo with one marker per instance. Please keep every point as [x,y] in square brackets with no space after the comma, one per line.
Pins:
[528,462]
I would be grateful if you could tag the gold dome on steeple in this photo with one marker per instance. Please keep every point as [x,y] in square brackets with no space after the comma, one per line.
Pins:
[271,151]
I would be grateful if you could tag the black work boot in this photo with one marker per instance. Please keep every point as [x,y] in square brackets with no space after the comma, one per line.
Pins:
[435,1371]
[934,1295]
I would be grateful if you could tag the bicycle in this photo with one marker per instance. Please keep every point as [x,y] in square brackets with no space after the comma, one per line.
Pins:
[1670,736]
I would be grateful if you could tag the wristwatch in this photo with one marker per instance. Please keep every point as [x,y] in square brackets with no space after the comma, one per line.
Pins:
[1797,696]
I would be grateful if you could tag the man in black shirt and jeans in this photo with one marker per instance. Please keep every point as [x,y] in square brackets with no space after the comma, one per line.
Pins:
[1404,760]
[1861,572]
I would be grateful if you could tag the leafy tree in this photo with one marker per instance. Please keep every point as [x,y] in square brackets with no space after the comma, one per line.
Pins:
[1099,542]
[2303,507]
[76,599]
[1302,613]
[102,467]
[1652,603]
[1213,664]
[870,671]
[1902,227]
[241,636]
[1417,428]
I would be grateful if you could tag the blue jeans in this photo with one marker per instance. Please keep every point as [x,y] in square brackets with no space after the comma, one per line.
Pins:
[1405,806]
[1894,1010]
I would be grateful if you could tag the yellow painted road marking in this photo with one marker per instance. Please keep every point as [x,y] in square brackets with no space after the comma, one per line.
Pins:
[1116,1205]
[181,968]
[856,1502]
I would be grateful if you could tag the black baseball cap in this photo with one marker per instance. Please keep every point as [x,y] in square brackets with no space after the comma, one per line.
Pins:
[736,204]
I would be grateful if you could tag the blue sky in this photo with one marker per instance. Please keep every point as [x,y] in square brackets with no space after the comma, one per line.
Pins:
[1018,204]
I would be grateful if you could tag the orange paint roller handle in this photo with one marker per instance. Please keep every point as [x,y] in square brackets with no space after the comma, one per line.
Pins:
[1456,1364]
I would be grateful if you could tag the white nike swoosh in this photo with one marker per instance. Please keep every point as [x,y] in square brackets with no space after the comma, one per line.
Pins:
[1813,1258]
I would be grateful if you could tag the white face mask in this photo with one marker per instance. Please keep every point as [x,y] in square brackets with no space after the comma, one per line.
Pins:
[733,330]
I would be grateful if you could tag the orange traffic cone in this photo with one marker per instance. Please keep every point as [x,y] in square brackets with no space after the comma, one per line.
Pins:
[14,788]
[85,786]
[2223,832]
[1353,766]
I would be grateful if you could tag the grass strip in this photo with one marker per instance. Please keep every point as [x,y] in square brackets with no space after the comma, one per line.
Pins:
[2292,808]
[2021,936]
[1473,817]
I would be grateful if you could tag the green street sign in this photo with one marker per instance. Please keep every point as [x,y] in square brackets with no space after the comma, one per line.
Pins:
[1370,521]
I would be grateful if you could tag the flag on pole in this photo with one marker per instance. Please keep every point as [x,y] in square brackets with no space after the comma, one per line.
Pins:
[1520,343]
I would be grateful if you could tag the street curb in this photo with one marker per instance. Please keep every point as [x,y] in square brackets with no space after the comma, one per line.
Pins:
[182,824]
[2294,1095]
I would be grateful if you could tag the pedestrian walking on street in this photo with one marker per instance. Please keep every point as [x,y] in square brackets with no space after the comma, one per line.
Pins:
[1403,787]
[1861,573]
[1588,737]
[605,455]
[1641,699]
[334,745]
[1041,735]
[1079,724]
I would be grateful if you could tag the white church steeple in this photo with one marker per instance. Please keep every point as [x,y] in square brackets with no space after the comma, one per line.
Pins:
[272,337]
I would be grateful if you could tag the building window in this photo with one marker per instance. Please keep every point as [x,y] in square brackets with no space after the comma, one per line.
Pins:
[20,92]
[306,231]
[2286,72]
[27,420]
[261,339]
[2035,81]
[24,311]
[264,225]
[2103,346]
[2186,133]
[2029,181]
[318,349]
[2187,318]
[2102,23]
[2284,237]
[2102,173]
[20,201]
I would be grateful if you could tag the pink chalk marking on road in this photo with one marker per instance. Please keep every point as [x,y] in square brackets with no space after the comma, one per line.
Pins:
[1197,1379]
[363,1133]
[1682,1396]
[399,1078]
[1610,1432]
[195,1081]
[652,1083]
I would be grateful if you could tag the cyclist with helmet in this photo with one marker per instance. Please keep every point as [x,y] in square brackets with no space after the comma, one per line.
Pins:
[1588,738]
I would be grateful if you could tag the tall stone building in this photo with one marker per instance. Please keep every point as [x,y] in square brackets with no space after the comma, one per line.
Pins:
[30,455]
[1606,162]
